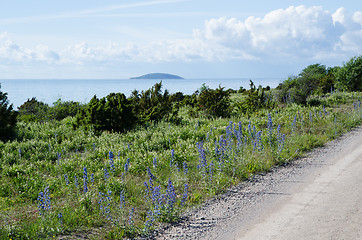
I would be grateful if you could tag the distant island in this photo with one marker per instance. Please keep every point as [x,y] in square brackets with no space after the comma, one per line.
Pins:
[158,76]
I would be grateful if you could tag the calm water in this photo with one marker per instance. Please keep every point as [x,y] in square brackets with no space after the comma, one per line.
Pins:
[49,91]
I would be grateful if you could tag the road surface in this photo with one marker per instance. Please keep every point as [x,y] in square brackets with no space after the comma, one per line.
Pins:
[327,204]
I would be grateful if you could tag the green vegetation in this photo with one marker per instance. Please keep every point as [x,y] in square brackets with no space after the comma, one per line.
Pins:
[349,77]
[34,111]
[122,167]
[7,118]
[214,102]
[112,113]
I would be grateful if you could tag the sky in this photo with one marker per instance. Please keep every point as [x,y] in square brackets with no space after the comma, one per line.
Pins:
[112,39]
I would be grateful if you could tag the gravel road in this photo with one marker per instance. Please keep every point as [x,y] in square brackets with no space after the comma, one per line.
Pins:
[315,197]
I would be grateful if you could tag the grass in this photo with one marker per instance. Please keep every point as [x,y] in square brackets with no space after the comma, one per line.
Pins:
[156,172]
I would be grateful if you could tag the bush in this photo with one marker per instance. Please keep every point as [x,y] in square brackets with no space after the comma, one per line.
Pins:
[314,79]
[112,113]
[255,99]
[349,77]
[61,110]
[36,111]
[7,118]
[33,111]
[152,104]
[214,102]
[315,101]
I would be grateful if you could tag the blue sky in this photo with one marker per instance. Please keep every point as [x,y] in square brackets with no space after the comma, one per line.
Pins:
[191,38]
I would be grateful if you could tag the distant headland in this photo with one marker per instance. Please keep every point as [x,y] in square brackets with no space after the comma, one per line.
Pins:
[158,76]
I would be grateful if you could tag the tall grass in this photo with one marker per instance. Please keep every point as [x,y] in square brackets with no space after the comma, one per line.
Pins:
[56,180]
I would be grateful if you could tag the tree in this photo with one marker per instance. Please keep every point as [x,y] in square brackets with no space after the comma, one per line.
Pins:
[7,118]
[314,79]
[349,77]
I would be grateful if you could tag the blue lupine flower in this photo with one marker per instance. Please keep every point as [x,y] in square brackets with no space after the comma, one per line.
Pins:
[106,174]
[101,200]
[150,173]
[172,157]
[171,196]
[126,166]
[122,202]
[281,143]
[60,216]
[202,156]
[154,162]
[85,180]
[66,179]
[185,168]
[105,204]
[184,196]
[258,141]
[44,201]
[150,219]
[111,156]
[130,220]
[92,177]
[270,127]
[111,162]
[211,170]
[147,191]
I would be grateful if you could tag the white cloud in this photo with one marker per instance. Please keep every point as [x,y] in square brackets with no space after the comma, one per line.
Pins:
[284,34]
[351,38]
[292,32]
[12,53]
[357,17]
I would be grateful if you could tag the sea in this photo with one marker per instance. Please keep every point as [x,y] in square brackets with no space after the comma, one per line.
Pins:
[82,90]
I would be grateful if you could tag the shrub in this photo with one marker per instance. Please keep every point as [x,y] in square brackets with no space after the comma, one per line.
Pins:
[112,113]
[33,111]
[152,104]
[314,79]
[7,118]
[315,101]
[349,77]
[254,100]
[36,111]
[61,110]
[214,102]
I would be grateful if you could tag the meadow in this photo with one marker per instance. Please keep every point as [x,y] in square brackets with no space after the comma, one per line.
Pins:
[57,180]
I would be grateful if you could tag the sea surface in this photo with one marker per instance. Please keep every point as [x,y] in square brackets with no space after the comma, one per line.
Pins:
[82,90]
